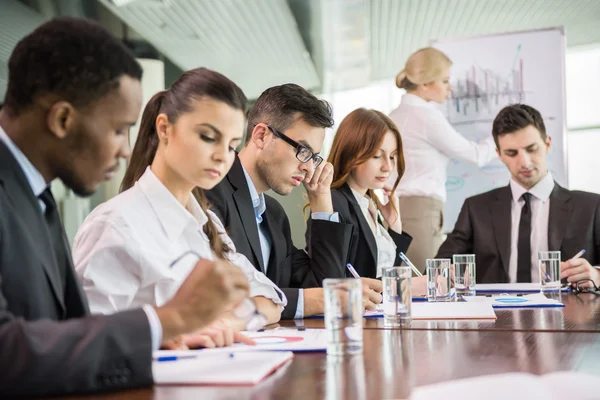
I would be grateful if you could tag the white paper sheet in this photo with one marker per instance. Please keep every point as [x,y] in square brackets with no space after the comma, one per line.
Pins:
[443,311]
[515,386]
[218,368]
[529,300]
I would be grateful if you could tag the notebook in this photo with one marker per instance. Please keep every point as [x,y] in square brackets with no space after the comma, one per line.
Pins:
[218,368]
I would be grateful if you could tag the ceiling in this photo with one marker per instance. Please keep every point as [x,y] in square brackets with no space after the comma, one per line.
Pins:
[255,43]
[398,28]
[323,45]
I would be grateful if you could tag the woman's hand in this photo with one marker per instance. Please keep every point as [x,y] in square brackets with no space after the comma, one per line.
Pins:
[391,210]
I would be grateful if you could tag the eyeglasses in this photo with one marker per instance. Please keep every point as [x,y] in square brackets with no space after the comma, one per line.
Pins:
[303,153]
[246,311]
[579,289]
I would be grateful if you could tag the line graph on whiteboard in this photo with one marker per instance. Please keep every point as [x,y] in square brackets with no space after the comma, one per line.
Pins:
[478,93]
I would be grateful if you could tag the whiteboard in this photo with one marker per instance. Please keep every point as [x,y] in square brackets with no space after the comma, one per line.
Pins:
[488,73]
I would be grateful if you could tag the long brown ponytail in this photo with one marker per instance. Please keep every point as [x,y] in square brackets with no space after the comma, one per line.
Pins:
[178,99]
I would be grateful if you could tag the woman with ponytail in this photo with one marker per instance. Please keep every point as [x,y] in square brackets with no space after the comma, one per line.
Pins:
[137,248]
[430,142]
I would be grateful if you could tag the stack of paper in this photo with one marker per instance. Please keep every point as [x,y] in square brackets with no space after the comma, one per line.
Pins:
[216,368]
[530,300]
[443,311]
[520,287]
[515,386]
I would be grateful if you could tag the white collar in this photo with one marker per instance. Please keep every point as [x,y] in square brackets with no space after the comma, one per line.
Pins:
[171,214]
[363,201]
[34,177]
[414,100]
[258,201]
[542,190]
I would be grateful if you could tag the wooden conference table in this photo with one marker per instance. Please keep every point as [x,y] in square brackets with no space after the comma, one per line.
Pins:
[394,361]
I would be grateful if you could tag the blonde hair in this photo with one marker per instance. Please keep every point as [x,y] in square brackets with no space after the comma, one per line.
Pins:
[423,66]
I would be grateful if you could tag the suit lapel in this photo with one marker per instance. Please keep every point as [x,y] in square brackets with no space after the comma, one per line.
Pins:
[362,222]
[558,220]
[501,218]
[19,190]
[245,209]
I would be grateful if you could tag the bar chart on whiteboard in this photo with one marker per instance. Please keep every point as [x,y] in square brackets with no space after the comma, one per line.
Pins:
[489,73]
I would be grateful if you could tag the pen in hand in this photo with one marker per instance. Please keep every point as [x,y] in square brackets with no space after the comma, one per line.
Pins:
[352,271]
[407,262]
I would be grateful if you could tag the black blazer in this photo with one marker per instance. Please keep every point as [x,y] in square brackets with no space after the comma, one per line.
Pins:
[289,268]
[49,344]
[363,247]
[483,228]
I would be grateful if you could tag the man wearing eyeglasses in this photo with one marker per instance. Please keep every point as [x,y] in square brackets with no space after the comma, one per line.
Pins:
[286,129]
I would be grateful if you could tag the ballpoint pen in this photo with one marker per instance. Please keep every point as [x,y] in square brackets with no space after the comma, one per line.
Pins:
[407,261]
[352,271]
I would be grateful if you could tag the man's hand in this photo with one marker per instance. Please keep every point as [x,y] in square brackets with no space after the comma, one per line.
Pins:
[212,288]
[579,269]
[318,188]
[220,333]
[372,289]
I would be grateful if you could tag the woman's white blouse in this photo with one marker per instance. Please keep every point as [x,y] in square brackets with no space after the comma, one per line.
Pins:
[429,143]
[123,250]
[386,248]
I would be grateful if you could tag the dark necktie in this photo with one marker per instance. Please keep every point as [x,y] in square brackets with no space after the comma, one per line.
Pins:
[524,242]
[56,236]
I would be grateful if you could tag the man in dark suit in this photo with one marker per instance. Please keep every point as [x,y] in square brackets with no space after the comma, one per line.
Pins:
[506,227]
[286,129]
[73,92]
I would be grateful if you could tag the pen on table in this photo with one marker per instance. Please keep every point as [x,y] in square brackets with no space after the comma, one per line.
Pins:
[183,357]
[352,271]
[407,261]
[174,358]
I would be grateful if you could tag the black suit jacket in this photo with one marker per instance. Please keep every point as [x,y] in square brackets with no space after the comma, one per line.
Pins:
[484,228]
[363,247]
[48,343]
[289,268]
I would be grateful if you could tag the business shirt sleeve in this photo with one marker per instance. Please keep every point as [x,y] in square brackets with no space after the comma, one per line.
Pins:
[107,263]
[300,307]
[325,216]
[260,285]
[447,140]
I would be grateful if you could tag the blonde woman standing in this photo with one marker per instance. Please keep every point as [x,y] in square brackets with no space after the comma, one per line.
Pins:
[430,142]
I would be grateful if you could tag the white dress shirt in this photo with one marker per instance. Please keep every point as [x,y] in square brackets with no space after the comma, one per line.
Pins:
[540,213]
[386,248]
[429,143]
[124,249]
[38,185]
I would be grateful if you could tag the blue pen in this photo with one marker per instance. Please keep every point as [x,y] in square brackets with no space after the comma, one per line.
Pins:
[174,358]
[352,271]
[183,357]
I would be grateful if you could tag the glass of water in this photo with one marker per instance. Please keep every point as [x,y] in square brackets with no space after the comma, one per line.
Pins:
[343,315]
[438,279]
[549,265]
[464,274]
[397,296]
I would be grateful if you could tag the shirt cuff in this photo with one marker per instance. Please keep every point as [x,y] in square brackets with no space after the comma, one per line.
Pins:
[300,307]
[155,326]
[335,217]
